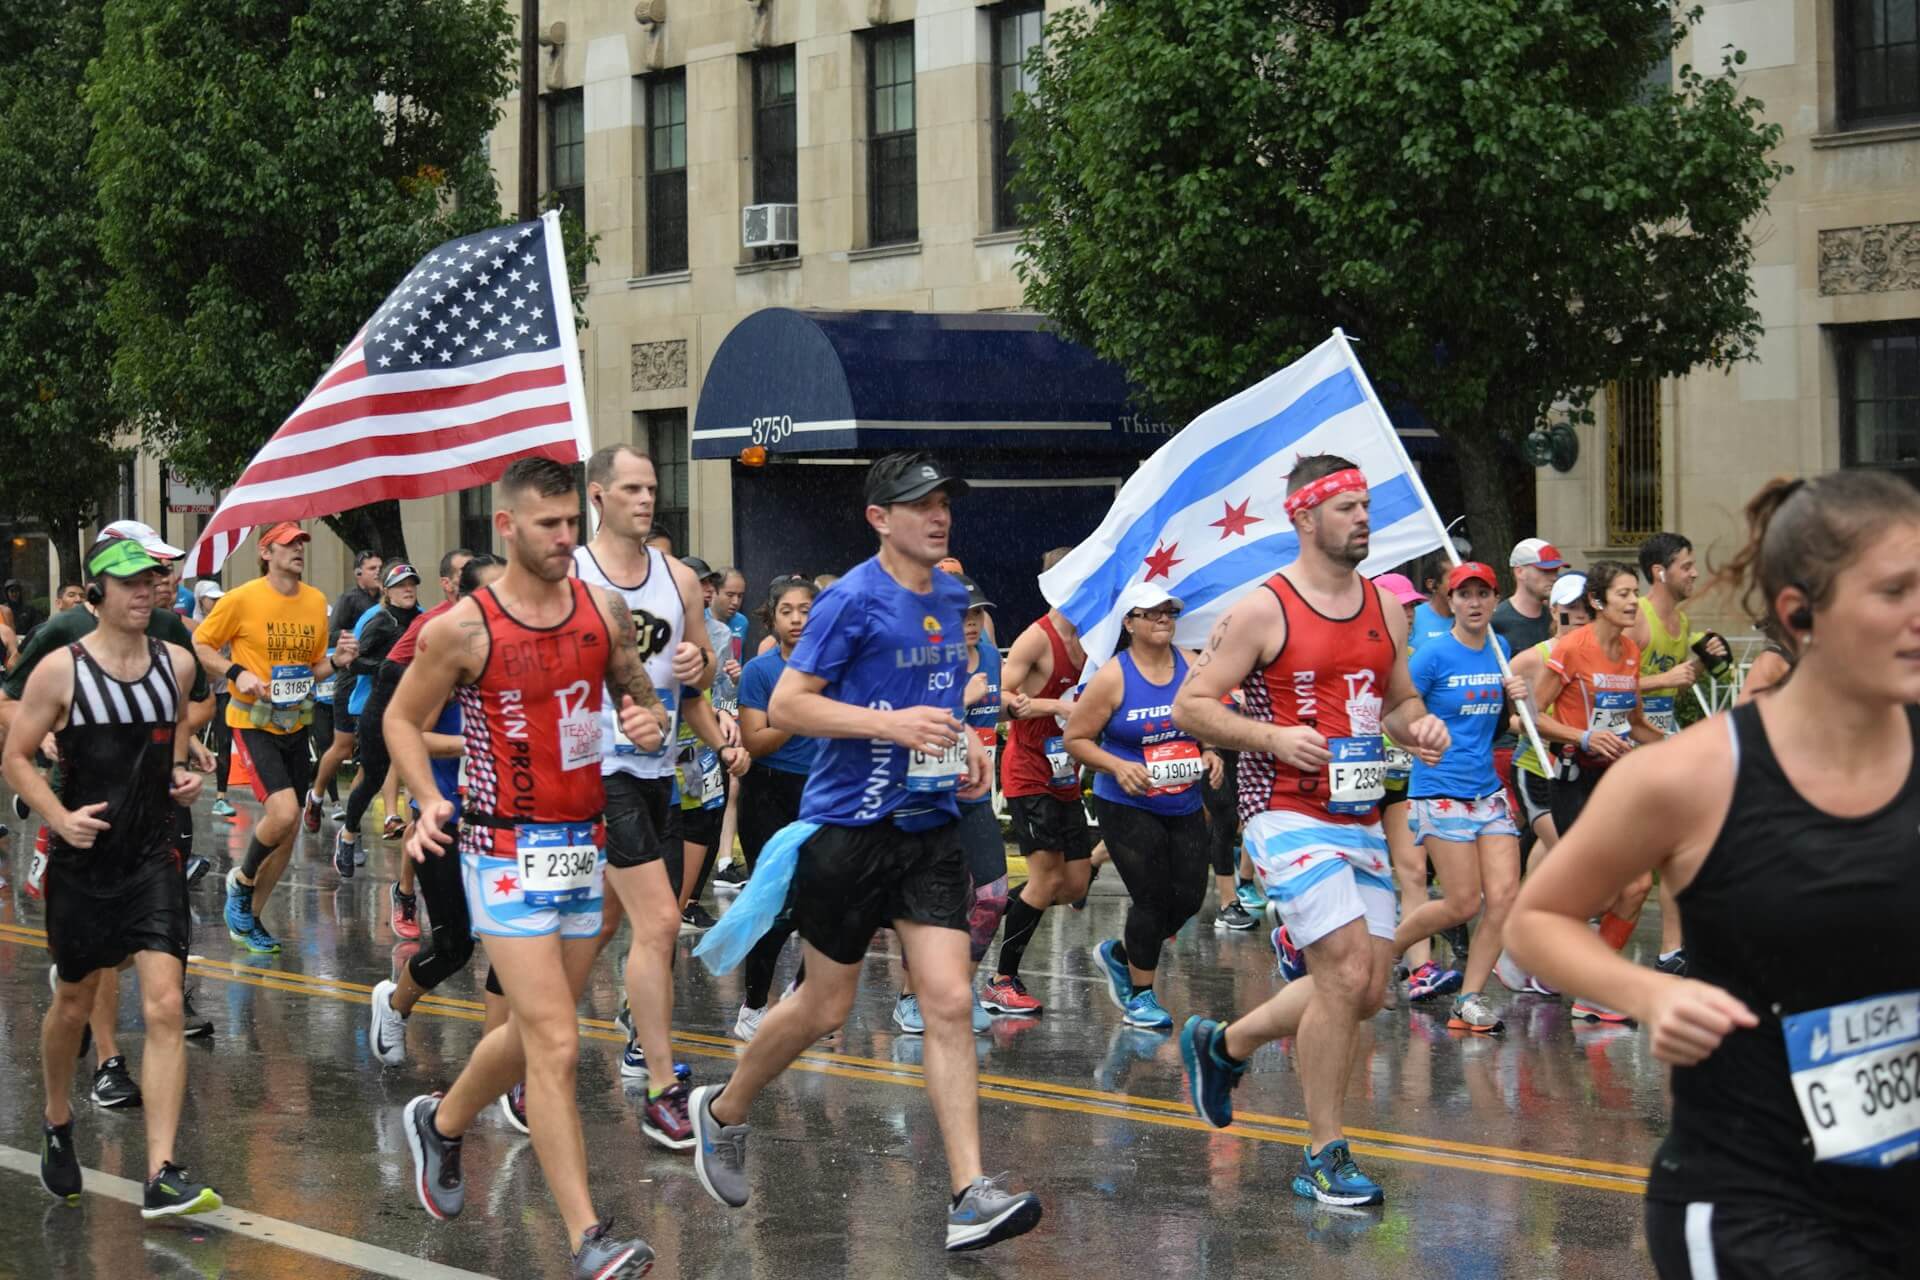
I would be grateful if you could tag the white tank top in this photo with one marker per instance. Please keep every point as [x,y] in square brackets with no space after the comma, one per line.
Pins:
[659,624]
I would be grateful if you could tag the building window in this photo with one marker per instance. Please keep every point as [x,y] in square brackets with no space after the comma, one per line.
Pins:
[775,142]
[667,173]
[1877,52]
[1879,369]
[1016,33]
[567,152]
[476,518]
[893,182]
[663,434]
[1633,461]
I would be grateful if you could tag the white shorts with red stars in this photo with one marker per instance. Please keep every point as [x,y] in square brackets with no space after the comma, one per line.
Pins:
[498,906]
[1323,875]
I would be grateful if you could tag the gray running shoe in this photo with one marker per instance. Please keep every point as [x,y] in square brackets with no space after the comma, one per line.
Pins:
[719,1150]
[601,1257]
[988,1213]
[436,1161]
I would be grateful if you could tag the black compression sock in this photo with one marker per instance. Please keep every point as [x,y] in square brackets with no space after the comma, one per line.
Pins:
[1022,919]
[257,853]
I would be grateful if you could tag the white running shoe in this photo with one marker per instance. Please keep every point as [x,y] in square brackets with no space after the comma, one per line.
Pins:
[747,1024]
[387,1030]
[1511,975]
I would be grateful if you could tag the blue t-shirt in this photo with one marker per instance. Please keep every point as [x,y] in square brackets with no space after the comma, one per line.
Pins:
[983,717]
[757,679]
[362,685]
[876,644]
[1424,625]
[1462,687]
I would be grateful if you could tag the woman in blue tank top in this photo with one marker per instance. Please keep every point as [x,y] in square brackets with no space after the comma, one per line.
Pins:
[1146,796]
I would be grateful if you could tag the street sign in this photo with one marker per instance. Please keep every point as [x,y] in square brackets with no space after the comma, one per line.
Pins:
[186,499]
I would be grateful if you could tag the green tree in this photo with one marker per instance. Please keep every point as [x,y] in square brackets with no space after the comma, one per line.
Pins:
[268,170]
[59,424]
[1502,201]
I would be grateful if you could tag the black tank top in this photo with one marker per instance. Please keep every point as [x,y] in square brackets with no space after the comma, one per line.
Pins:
[1794,910]
[117,746]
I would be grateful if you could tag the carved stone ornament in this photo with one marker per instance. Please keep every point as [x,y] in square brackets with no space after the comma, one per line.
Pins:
[1876,259]
[660,366]
[879,12]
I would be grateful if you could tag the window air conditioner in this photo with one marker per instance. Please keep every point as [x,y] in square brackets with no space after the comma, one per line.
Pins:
[762,226]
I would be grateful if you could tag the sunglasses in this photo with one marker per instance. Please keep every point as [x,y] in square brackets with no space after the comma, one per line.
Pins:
[1165,612]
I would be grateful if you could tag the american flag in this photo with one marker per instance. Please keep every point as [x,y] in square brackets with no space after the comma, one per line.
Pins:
[469,364]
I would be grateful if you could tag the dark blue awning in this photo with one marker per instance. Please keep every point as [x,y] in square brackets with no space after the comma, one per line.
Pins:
[874,381]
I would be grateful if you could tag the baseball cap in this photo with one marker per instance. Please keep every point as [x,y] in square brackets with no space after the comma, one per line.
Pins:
[976,598]
[1537,552]
[120,557]
[208,590]
[1401,587]
[701,569]
[1569,588]
[1471,571]
[908,477]
[399,573]
[144,534]
[285,531]
[1144,595]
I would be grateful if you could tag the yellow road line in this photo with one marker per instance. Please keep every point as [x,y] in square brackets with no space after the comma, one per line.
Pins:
[1254,1126]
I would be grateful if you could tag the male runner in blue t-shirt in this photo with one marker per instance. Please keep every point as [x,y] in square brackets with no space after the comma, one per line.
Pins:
[878,675]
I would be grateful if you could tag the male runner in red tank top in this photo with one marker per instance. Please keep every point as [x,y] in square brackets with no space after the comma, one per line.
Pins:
[1324,668]
[1042,786]
[529,657]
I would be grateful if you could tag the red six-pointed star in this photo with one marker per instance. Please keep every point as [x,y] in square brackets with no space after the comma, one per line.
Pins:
[1236,520]
[1160,563]
[506,884]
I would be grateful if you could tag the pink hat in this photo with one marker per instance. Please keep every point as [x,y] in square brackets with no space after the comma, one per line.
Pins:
[1402,588]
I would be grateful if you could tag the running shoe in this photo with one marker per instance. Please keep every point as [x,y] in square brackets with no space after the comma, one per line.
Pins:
[1119,977]
[192,1025]
[982,1020]
[406,915]
[343,854]
[601,1257]
[1511,975]
[310,812]
[906,1016]
[633,1061]
[337,814]
[1333,1178]
[359,853]
[1252,897]
[172,1193]
[720,1150]
[1293,961]
[1211,1079]
[1535,987]
[1006,994]
[1675,964]
[386,1029]
[1144,1010]
[59,1164]
[436,1161]
[239,910]
[195,870]
[1080,903]
[664,1118]
[113,1084]
[393,827]
[1430,980]
[221,809]
[987,1213]
[623,1020]
[733,873]
[1594,1011]
[1234,916]
[695,919]
[1471,1012]
[746,1023]
[513,1105]
[259,941]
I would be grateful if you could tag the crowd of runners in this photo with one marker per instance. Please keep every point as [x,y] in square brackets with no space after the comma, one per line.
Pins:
[574,737]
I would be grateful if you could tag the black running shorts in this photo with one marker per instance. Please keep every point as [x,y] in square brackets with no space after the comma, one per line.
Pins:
[281,761]
[697,826]
[1043,824]
[88,930]
[853,880]
[638,813]
[344,721]
[1744,1241]
[1536,795]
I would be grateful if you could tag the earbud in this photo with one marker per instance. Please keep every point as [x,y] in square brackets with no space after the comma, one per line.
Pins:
[94,594]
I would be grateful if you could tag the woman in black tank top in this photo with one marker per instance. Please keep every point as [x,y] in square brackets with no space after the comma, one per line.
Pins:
[1790,832]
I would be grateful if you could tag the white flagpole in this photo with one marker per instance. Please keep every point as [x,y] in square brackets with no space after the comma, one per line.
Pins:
[1525,709]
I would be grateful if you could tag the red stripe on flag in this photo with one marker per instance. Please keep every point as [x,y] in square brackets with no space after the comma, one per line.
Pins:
[402,446]
[424,400]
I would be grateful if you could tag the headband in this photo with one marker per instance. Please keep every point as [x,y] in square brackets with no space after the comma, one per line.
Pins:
[1306,499]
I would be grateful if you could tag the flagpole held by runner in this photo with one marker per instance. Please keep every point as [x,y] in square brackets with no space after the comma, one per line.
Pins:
[1549,761]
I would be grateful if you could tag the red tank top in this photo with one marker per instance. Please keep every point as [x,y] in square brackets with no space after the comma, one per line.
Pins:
[1331,673]
[1034,749]
[532,719]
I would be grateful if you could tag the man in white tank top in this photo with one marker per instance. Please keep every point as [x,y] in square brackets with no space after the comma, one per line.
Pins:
[663,594]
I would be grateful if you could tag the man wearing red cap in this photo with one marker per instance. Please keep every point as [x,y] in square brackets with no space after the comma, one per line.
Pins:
[276,627]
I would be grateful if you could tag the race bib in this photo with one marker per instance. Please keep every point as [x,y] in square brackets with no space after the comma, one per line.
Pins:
[941,772]
[1856,1075]
[713,778]
[1356,776]
[1399,762]
[1064,774]
[323,689]
[1613,711]
[988,741]
[1659,711]
[559,862]
[289,684]
[579,739]
[1173,767]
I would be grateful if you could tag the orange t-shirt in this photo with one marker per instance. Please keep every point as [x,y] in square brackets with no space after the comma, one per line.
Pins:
[1601,693]
[278,638]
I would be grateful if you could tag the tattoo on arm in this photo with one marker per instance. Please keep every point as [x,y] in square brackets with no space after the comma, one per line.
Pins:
[1214,640]
[626,674]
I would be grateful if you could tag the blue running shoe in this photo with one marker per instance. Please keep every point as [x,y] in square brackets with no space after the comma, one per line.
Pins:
[1144,1010]
[1119,977]
[221,809]
[1211,1080]
[260,942]
[1251,896]
[906,1016]
[239,911]
[982,1020]
[1333,1178]
[1430,980]
[1293,961]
